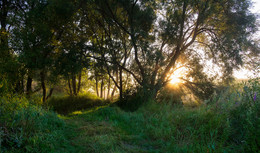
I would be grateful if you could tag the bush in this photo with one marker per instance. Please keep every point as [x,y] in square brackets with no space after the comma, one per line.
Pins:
[245,125]
[69,104]
[9,105]
[241,103]
[245,119]
[134,98]
[28,128]
[171,94]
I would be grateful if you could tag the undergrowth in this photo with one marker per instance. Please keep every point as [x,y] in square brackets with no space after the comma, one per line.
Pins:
[25,127]
[228,122]
[68,104]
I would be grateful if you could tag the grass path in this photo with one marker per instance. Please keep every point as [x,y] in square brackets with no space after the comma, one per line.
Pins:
[110,129]
[154,128]
[94,131]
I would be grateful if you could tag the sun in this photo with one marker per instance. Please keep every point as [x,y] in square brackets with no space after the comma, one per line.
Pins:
[175,77]
[174,80]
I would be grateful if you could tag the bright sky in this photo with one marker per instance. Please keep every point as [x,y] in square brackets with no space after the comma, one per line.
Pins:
[256,6]
[243,73]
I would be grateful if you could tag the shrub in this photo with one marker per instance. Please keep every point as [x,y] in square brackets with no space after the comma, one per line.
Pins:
[134,98]
[245,119]
[69,104]
[9,105]
[171,95]
[241,104]
[28,128]
[5,86]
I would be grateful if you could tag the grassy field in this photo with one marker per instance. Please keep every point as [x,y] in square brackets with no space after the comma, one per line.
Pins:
[180,130]
[157,129]
[228,122]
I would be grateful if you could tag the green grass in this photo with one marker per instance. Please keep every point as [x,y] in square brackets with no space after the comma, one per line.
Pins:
[156,128]
[164,130]
[229,122]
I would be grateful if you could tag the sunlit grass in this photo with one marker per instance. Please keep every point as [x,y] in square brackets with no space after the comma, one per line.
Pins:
[90,110]
[228,122]
[156,129]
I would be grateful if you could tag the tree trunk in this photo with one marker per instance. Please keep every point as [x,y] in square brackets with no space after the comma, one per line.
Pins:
[3,18]
[126,81]
[29,85]
[101,88]
[108,88]
[22,83]
[17,87]
[121,84]
[70,91]
[112,93]
[50,93]
[3,36]
[104,92]
[97,86]
[42,75]
[79,82]
[114,89]
[74,84]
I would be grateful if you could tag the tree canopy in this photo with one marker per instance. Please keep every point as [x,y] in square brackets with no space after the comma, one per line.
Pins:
[123,44]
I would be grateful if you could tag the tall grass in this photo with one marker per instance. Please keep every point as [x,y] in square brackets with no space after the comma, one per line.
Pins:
[159,128]
[29,128]
[228,124]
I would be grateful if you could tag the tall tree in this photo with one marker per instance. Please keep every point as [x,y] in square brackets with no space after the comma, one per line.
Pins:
[11,70]
[38,34]
[161,32]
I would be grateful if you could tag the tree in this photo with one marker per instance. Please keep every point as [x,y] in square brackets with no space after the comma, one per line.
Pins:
[161,32]
[37,36]
[11,70]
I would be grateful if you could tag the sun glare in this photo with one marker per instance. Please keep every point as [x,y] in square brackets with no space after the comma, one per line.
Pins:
[175,77]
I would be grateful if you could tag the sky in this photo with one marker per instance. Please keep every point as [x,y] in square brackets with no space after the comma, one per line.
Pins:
[256,6]
[243,73]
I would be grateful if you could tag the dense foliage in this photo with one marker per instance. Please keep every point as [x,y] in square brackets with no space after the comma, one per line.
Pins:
[85,59]
[123,44]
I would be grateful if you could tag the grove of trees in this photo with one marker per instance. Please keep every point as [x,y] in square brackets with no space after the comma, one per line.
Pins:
[122,46]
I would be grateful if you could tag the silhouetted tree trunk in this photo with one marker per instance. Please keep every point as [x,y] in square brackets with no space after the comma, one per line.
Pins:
[126,81]
[3,19]
[104,92]
[96,78]
[19,86]
[70,91]
[50,93]
[42,76]
[101,88]
[29,85]
[114,89]
[108,88]
[79,82]
[121,84]
[74,84]
[22,83]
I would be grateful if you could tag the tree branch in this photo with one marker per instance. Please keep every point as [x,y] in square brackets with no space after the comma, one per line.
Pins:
[135,77]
